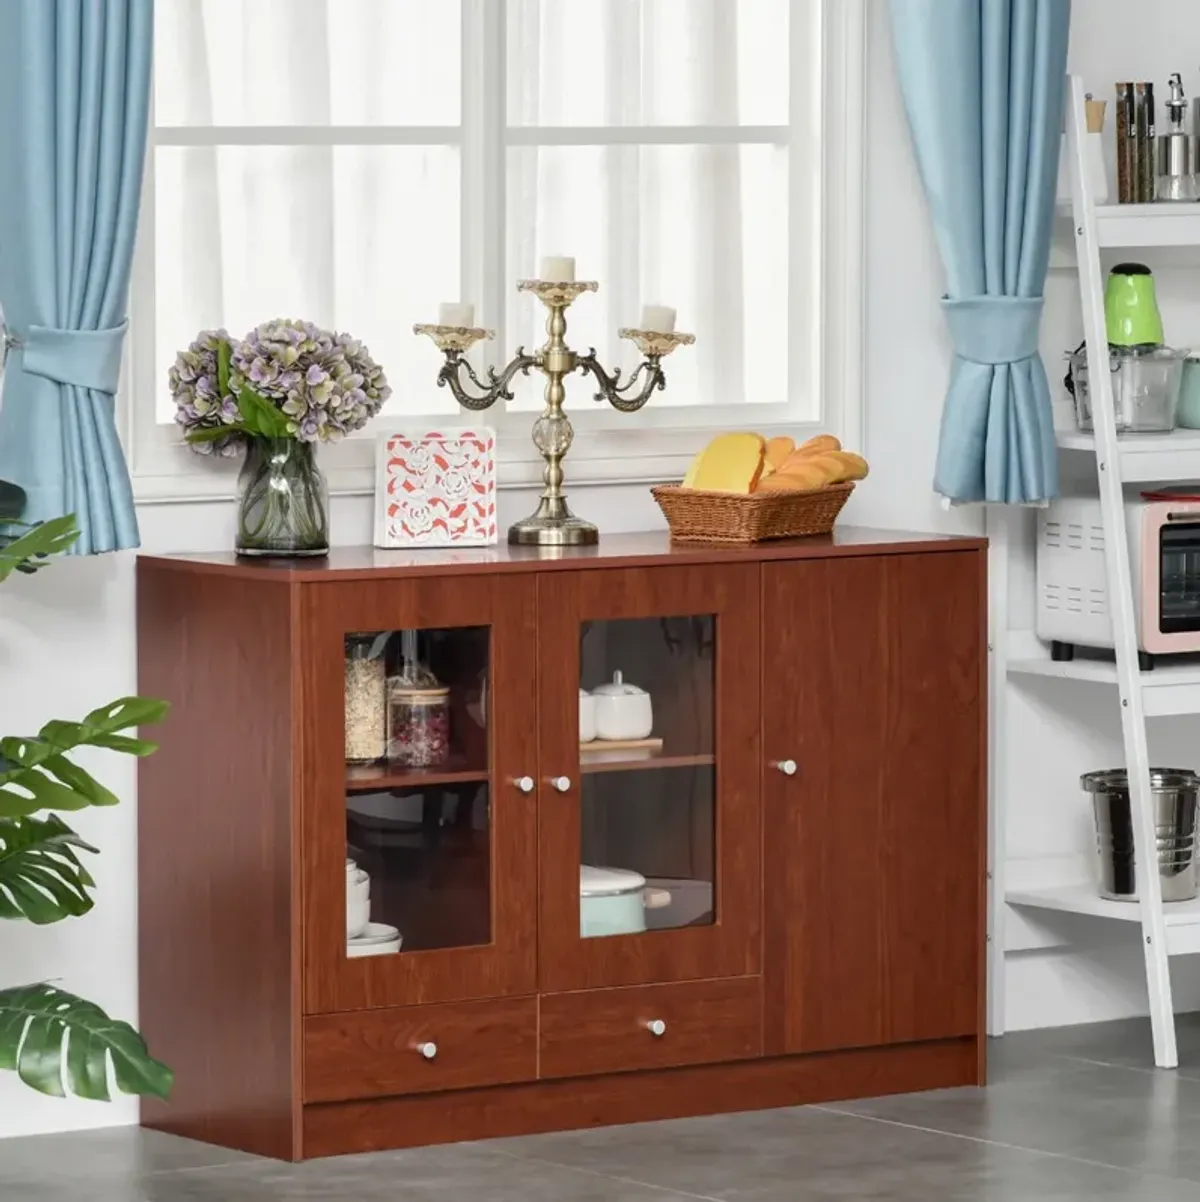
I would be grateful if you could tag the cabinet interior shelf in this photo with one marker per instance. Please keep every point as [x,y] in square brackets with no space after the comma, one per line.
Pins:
[374,778]
[371,778]
[624,761]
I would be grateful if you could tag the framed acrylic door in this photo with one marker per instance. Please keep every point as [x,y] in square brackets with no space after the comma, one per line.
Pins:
[421,805]
[677,809]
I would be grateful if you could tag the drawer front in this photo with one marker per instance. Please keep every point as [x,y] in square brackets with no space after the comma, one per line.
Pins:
[419,1049]
[650,1026]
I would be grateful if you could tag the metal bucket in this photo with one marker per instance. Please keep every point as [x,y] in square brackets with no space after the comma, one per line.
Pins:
[1173,795]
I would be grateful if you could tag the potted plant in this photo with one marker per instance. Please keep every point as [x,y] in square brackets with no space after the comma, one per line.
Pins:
[55,1041]
[277,393]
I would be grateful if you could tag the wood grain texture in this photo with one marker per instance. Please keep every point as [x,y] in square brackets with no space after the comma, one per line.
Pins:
[874,848]
[371,1054]
[507,965]
[613,550]
[574,1103]
[607,1030]
[217,896]
[731,946]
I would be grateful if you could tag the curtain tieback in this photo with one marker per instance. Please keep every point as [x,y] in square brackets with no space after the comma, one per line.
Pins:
[994,329]
[86,358]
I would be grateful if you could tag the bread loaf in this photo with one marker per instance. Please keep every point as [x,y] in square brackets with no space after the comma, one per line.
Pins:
[777,450]
[730,463]
[852,466]
[802,478]
[818,445]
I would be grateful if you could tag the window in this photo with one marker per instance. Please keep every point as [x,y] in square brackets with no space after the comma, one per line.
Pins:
[358,161]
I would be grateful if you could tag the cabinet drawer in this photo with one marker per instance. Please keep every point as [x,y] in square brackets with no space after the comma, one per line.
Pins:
[610,1030]
[418,1049]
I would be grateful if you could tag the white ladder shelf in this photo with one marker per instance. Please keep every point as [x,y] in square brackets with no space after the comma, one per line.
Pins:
[1175,929]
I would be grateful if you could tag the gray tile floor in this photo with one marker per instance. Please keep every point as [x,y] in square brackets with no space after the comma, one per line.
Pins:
[1071,1114]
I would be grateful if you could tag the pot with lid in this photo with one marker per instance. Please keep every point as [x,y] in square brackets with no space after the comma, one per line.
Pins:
[622,710]
[614,901]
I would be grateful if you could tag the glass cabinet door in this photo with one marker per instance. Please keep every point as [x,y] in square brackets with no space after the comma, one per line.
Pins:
[649,822]
[420,792]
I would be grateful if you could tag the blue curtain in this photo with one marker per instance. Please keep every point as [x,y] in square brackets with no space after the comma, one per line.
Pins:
[74,101]
[983,84]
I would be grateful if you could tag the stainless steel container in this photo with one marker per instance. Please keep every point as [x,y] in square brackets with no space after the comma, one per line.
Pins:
[1173,793]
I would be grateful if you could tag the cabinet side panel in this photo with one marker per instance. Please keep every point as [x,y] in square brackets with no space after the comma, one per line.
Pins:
[217,966]
[934,923]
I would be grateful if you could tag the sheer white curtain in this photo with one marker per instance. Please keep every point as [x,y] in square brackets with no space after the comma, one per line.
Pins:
[308,163]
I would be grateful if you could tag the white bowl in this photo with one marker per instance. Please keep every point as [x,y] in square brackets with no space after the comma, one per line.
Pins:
[358,916]
[358,890]
[377,939]
[355,950]
[376,932]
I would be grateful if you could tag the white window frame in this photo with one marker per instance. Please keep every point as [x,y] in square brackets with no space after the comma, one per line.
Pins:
[825,271]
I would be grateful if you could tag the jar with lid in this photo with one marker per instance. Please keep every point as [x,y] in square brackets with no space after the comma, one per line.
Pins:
[418,725]
[365,699]
[418,711]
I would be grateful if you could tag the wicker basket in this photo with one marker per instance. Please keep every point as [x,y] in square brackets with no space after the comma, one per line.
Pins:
[697,516]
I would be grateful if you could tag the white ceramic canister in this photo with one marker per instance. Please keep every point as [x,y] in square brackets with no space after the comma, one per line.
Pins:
[587,716]
[623,711]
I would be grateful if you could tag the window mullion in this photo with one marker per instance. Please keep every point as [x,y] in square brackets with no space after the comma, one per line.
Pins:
[483,196]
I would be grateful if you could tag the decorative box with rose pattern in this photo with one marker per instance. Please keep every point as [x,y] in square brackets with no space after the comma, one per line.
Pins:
[436,489]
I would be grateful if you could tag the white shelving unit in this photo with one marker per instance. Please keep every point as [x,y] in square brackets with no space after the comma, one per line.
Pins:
[1172,688]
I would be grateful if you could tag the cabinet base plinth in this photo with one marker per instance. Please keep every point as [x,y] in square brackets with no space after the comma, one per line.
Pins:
[333,1129]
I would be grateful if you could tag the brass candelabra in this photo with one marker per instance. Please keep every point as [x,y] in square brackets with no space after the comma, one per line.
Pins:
[552,524]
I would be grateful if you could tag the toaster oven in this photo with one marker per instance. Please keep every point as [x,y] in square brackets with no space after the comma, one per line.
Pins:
[1163,530]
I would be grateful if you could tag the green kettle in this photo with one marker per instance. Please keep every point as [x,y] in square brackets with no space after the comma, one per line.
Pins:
[1131,315]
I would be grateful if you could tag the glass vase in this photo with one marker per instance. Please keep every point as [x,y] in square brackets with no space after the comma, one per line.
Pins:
[283,500]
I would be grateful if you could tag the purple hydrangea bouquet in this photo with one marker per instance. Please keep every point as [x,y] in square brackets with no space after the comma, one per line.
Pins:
[285,387]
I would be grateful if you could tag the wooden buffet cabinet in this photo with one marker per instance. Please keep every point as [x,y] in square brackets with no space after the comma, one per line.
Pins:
[815,817]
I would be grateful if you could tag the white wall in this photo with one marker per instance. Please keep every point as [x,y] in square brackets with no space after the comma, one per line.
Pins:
[67,636]
[1056,730]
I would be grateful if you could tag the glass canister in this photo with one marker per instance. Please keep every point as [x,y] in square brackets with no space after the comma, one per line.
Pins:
[366,699]
[418,724]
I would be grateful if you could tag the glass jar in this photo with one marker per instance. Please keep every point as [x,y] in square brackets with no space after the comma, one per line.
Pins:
[418,725]
[366,699]
[1145,387]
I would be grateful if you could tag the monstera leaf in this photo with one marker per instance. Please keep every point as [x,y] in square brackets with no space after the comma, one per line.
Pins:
[28,551]
[35,773]
[60,1043]
[41,878]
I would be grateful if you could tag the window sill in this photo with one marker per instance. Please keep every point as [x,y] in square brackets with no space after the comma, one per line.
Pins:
[597,458]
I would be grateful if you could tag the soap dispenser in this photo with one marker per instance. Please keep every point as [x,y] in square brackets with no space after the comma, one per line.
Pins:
[1175,181]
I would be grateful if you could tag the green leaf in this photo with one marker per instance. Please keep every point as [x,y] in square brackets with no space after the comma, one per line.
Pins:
[260,416]
[12,501]
[46,538]
[224,362]
[41,878]
[213,433]
[38,1023]
[124,713]
[35,773]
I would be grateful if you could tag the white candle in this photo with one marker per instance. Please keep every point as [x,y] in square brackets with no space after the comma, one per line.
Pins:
[659,318]
[461,314]
[557,269]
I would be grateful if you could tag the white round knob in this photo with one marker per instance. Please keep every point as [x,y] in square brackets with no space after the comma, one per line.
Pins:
[428,1049]
[656,1027]
[524,783]
[561,783]
[787,767]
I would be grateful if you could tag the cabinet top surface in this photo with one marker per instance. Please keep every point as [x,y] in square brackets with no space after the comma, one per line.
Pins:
[613,551]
